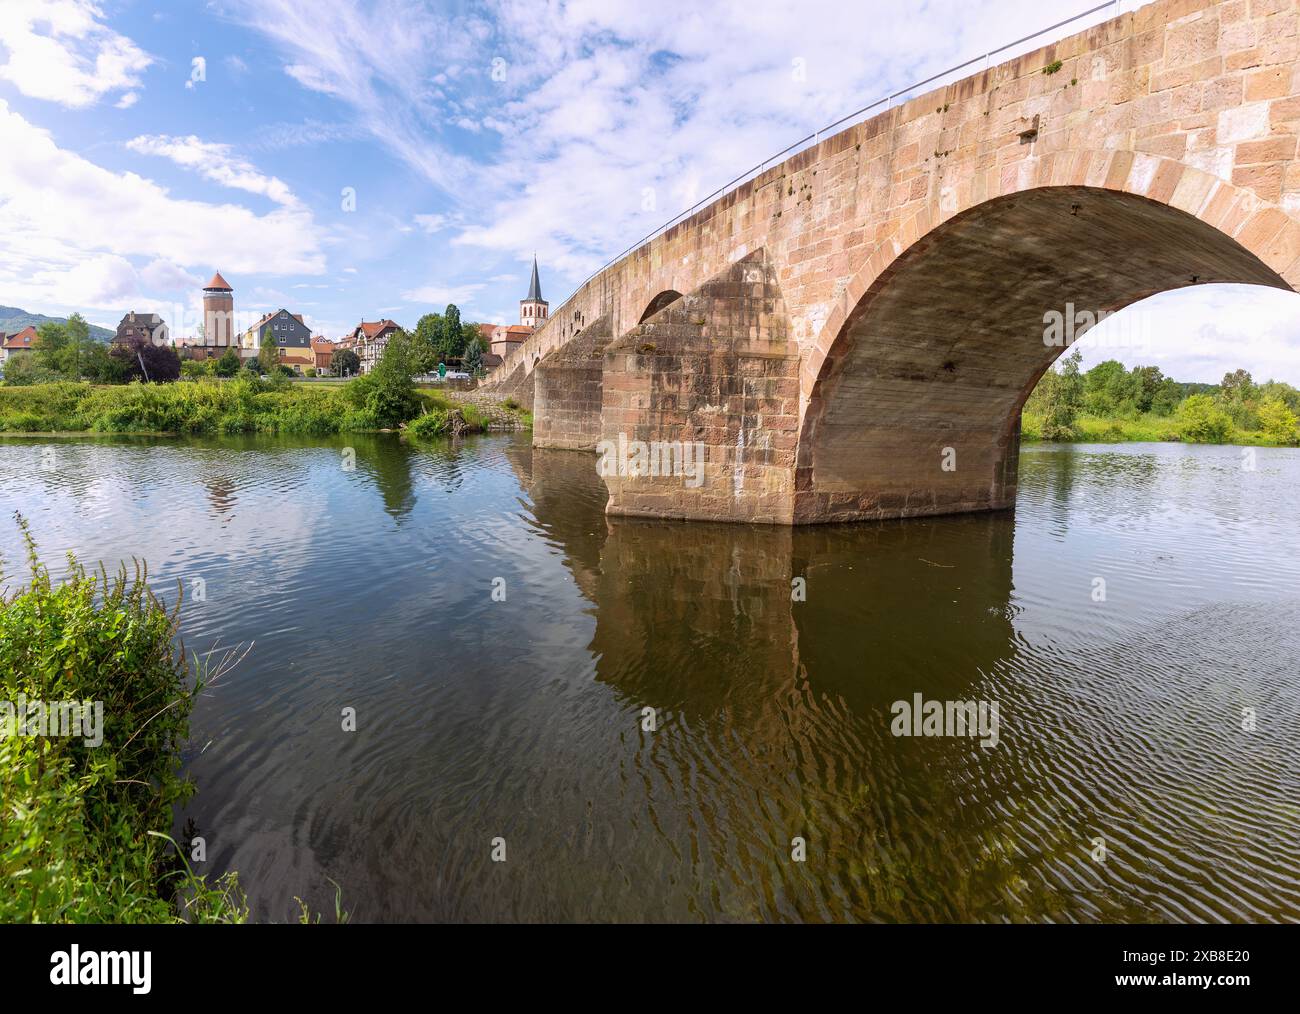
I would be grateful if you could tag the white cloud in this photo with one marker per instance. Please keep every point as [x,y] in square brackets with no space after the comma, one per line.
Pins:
[215,162]
[440,295]
[74,233]
[594,103]
[127,100]
[61,51]
[1198,334]
[432,223]
[379,59]
[311,78]
[164,275]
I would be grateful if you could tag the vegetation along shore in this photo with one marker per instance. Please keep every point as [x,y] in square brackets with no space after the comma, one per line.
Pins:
[1111,404]
[384,399]
[86,834]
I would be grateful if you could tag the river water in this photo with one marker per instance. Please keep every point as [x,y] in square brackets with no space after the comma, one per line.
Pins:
[657,722]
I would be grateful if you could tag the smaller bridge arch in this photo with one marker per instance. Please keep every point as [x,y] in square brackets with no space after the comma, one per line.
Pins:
[662,301]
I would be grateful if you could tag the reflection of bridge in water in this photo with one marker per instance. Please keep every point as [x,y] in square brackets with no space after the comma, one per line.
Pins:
[711,610]
[775,713]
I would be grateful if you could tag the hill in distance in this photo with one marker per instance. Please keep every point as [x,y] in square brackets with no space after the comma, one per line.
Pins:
[13,319]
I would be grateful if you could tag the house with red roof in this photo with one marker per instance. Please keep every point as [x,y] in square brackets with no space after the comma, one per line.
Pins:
[370,338]
[17,343]
[322,349]
[502,339]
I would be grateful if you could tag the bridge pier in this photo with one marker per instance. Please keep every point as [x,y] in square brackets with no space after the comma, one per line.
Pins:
[700,406]
[567,393]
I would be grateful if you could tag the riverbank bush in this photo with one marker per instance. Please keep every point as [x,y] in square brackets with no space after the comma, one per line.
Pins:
[1200,421]
[83,832]
[436,423]
[209,406]
[1110,404]
[1144,429]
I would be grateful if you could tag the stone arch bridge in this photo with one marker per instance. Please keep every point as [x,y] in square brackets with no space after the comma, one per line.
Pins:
[852,333]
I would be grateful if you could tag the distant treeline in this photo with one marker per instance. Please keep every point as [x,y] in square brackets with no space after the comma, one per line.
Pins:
[1113,403]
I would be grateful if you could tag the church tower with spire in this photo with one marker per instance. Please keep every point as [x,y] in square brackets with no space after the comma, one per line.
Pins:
[533,309]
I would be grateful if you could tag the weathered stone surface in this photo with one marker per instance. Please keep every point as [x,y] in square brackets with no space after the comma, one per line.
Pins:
[566,404]
[937,235]
[715,369]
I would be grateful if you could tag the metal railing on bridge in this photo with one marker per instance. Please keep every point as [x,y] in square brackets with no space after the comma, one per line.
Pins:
[815,138]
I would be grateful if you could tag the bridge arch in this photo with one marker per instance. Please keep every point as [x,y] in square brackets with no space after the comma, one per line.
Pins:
[937,343]
[662,301]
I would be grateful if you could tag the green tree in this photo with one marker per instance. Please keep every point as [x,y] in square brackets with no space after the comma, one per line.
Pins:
[1237,386]
[78,345]
[1238,397]
[1062,398]
[471,333]
[426,343]
[1276,389]
[22,371]
[473,359]
[268,356]
[390,395]
[452,345]
[227,365]
[445,335]
[1104,387]
[51,341]
[1166,397]
[1147,382]
[99,367]
[1279,422]
[345,363]
[1201,421]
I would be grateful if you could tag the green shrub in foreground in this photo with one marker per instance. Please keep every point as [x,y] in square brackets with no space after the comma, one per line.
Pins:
[83,828]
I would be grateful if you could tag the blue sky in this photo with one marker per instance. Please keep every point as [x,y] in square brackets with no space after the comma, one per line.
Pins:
[148,144]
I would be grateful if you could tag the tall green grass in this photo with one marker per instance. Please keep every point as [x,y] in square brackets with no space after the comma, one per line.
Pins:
[242,405]
[84,827]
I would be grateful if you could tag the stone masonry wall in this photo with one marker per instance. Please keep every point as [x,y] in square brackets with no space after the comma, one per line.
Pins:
[716,368]
[567,399]
[1193,104]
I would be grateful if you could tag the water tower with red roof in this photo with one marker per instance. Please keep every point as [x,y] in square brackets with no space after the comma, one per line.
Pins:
[218,313]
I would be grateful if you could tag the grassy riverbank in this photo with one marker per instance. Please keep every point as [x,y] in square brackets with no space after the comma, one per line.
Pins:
[1112,404]
[83,832]
[1147,429]
[241,405]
